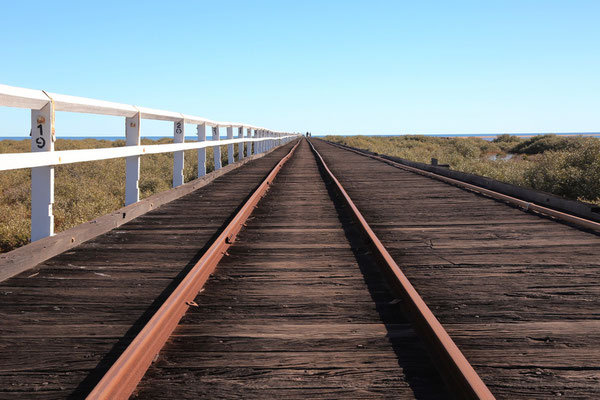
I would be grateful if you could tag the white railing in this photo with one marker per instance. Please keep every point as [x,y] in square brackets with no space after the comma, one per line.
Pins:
[43,158]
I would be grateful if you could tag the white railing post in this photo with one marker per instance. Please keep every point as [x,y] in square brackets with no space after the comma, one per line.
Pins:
[261,144]
[178,156]
[248,144]
[202,151]
[42,178]
[240,144]
[266,141]
[230,148]
[132,164]
[270,142]
[216,149]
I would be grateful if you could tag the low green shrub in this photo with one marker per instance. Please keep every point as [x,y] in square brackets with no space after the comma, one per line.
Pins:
[567,166]
[542,143]
[506,138]
[574,173]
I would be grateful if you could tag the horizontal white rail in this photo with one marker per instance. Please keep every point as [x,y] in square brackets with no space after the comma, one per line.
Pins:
[11,161]
[43,158]
[11,96]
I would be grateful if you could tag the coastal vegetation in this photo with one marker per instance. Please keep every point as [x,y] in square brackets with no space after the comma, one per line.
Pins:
[567,166]
[84,191]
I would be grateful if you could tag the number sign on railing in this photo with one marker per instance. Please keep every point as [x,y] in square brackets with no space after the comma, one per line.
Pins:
[43,158]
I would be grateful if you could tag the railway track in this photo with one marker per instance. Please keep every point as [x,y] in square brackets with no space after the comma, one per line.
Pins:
[307,221]
[308,299]
[65,322]
[517,291]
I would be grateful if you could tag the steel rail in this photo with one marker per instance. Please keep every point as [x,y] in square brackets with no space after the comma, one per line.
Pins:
[456,370]
[526,205]
[122,378]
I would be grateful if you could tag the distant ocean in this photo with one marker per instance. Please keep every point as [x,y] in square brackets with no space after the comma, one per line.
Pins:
[486,136]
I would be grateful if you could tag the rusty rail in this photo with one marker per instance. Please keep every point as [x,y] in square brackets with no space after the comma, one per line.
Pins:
[121,379]
[525,205]
[456,370]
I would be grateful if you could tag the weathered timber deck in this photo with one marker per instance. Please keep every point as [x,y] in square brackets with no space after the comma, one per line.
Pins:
[298,309]
[519,293]
[66,321]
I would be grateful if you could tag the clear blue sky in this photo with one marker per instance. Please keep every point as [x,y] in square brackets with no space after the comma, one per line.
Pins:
[330,67]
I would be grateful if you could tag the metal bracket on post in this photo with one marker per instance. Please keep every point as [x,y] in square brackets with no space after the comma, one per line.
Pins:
[202,151]
[42,178]
[230,147]
[216,149]
[132,164]
[178,156]
[248,144]
[240,144]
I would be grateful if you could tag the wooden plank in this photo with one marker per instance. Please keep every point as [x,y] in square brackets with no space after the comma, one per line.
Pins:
[516,291]
[282,304]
